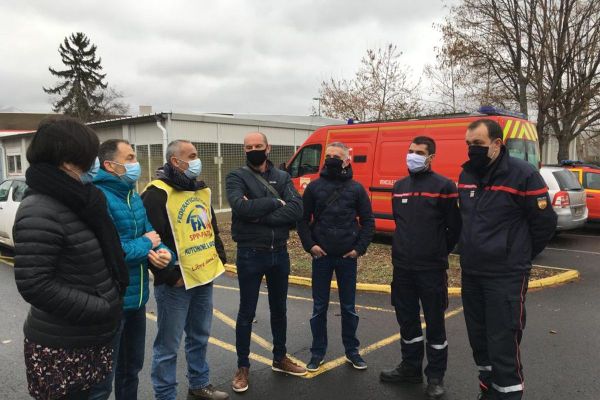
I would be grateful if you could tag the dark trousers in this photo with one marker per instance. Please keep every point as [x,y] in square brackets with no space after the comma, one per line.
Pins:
[128,352]
[495,315]
[345,274]
[431,289]
[252,266]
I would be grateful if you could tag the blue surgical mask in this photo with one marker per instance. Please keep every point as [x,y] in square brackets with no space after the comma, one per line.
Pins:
[132,172]
[194,168]
[88,177]
[416,162]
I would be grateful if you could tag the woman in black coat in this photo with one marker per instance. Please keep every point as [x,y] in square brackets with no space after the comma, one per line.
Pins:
[68,264]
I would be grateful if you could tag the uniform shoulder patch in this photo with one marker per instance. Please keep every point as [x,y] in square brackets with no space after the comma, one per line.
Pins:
[542,202]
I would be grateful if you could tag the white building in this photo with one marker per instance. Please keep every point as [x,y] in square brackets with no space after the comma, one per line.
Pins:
[218,138]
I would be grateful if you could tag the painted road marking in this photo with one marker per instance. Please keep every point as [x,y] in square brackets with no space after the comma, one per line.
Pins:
[224,345]
[265,344]
[309,299]
[328,366]
[573,251]
[8,260]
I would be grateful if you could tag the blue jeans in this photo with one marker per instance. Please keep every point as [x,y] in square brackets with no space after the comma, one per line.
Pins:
[128,355]
[180,310]
[252,265]
[345,273]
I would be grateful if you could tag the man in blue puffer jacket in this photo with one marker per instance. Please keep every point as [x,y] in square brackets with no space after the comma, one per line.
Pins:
[119,170]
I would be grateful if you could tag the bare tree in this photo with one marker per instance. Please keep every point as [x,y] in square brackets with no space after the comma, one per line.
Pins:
[380,90]
[540,55]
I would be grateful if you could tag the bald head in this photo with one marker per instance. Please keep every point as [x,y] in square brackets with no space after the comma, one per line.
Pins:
[255,141]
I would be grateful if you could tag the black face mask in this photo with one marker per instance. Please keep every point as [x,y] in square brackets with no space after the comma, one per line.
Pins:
[334,165]
[478,157]
[256,157]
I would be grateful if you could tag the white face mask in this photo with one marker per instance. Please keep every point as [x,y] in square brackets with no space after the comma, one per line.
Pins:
[416,162]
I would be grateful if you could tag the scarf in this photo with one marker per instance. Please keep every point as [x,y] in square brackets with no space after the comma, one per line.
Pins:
[89,204]
[178,180]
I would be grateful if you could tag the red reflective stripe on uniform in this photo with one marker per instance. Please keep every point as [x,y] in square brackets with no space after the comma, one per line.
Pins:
[505,189]
[427,194]
[536,192]
[464,186]
[517,192]
[442,195]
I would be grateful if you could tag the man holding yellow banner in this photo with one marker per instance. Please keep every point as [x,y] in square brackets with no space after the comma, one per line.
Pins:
[179,208]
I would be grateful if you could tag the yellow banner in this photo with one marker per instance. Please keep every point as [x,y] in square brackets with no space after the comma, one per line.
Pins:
[191,222]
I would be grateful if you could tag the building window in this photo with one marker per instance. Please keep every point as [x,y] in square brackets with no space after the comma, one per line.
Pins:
[14,164]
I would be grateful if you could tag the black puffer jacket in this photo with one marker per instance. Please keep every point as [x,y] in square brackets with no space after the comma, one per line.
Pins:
[258,219]
[336,228]
[60,271]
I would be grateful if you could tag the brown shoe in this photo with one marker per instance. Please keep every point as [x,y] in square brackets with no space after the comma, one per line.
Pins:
[287,366]
[240,380]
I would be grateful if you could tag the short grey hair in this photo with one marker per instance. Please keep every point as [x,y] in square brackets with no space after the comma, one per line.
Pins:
[342,146]
[173,148]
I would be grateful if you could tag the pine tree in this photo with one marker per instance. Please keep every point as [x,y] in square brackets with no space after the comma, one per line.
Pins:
[80,93]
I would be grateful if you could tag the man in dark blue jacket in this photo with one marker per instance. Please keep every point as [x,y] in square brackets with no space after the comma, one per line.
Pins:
[428,223]
[507,221]
[264,205]
[119,171]
[332,234]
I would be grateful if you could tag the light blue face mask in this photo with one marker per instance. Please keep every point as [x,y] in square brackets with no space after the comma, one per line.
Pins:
[132,172]
[194,168]
[416,162]
[88,177]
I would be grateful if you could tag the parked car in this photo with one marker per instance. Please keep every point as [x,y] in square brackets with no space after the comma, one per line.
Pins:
[568,197]
[11,193]
[589,177]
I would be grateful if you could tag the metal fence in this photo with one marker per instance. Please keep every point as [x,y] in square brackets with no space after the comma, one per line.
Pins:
[218,159]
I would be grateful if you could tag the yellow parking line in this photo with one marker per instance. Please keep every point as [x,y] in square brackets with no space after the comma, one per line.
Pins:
[8,260]
[265,344]
[300,298]
[225,346]
[328,366]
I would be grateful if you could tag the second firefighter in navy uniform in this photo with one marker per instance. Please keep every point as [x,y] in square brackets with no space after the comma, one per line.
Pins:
[507,221]
[428,226]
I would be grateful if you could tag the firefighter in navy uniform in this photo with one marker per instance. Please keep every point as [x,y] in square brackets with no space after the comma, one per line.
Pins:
[427,229]
[507,221]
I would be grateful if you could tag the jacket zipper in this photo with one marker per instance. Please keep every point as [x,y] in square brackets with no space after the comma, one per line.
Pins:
[135,236]
[272,239]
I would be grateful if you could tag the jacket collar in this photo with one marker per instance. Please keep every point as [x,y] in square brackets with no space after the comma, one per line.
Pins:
[347,174]
[498,168]
[112,183]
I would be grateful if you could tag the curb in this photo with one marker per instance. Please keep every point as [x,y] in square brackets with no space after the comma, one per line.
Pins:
[568,275]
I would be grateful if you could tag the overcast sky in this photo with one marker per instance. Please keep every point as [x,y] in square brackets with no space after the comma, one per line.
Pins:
[241,56]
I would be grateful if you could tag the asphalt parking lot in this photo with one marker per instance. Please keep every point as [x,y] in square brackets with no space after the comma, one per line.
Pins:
[560,347]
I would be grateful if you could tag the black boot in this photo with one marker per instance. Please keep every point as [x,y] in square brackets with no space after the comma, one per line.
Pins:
[435,388]
[402,374]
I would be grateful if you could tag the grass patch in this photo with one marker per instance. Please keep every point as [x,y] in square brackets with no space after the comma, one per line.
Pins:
[373,267]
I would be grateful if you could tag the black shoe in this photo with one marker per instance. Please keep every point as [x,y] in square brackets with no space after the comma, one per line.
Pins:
[435,388]
[314,364]
[401,374]
[206,393]
[483,395]
[357,361]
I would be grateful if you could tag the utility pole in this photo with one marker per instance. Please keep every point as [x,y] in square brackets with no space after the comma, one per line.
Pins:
[319,104]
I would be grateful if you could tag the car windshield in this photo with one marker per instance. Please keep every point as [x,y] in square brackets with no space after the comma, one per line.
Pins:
[525,150]
[567,180]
